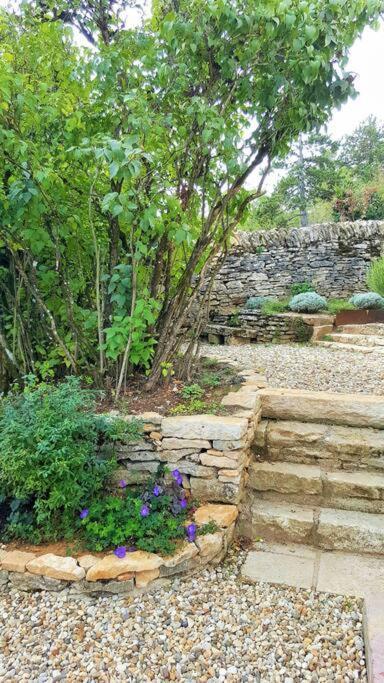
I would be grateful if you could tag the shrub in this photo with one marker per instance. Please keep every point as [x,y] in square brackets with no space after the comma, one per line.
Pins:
[367,300]
[148,519]
[301,330]
[336,305]
[375,277]
[49,462]
[192,391]
[273,306]
[255,303]
[301,288]
[309,302]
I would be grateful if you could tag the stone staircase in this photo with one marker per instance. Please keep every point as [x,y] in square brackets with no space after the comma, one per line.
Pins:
[317,473]
[362,338]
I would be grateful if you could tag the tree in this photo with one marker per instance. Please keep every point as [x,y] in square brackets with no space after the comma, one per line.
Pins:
[124,165]
[363,150]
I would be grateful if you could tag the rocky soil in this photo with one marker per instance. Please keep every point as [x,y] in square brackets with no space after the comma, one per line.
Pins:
[308,367]
[208,628]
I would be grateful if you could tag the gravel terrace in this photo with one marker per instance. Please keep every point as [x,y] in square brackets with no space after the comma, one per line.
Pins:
[208,628]
[308,367]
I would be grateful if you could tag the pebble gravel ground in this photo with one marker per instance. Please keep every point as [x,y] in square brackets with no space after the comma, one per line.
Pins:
[208,628]
[308,367]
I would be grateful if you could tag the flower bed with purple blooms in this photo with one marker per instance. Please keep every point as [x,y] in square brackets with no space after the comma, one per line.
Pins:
[150,518]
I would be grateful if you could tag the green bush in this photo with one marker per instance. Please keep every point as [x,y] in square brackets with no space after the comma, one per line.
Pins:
[375,277]
[255,303]
[301,288]
[310,302]
[49,463]
[367,300]
[273,306]
[336,305]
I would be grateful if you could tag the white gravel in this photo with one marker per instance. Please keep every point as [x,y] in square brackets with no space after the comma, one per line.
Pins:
[308,367]
[207,628]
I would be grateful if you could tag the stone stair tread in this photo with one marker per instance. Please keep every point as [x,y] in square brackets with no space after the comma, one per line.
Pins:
[337,346]
[358,478]
[357,339]
[376,329]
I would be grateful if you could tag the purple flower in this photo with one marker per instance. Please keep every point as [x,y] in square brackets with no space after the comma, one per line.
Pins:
[157,490]
[190,530]
[84,513]
[183,503]
[144,512]
[123,484]
[177,477]
[120,551]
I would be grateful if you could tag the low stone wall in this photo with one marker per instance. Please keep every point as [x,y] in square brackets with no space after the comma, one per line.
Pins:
[257,327]
[137,571]
[211,452]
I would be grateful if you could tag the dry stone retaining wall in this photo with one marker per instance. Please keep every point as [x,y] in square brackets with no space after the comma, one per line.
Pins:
[333,257]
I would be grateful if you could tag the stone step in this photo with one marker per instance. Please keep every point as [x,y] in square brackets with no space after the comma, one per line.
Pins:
[337,346]
[357,339]
[308,484]
[323,528]
[376,329]
[356,410]
[334,446]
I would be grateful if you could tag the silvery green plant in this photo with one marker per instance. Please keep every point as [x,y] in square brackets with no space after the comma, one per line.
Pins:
[367,300]
[308,302]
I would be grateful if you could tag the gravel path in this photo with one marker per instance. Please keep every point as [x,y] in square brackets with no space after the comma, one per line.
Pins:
[207,628]
[308,367]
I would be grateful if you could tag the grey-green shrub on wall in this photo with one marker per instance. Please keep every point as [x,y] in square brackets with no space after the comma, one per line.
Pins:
[367,300]
[255,303]
[309,302]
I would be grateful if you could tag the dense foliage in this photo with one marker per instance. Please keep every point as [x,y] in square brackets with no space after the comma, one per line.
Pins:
[367,300]
[123,164]
[49,462]
[375,276]
[325,180]
[308,302]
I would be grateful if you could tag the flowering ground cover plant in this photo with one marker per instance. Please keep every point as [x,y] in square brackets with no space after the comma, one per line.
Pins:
[152,518]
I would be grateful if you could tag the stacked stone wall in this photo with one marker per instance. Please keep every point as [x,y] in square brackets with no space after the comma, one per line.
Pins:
[333,257]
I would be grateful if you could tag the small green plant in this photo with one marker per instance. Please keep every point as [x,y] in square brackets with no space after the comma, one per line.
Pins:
[273,306]
[233,320]
[196,406]
[309,302]
[49,460]
[167,370]
[336,305]
[255,303]
[192,391]
[150,519]
[328,338]
[301,330]
[301,288]
[210,380]
[375,277]
[367,300]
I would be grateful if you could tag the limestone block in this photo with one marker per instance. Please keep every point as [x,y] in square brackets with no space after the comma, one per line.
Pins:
[222,515]
[285,477]
[355,485]
[281,522]
[102,587]
[229,444]
[210,544]
[15,560]
[356,410]
[142,579]
[205,427]
[352,531]
[110,567]
[186,552]
[3,578]
[218,461]
[242,399]
[213,490]
[87,561]
[196,470]
[32,582]
[56,567]
[177,444]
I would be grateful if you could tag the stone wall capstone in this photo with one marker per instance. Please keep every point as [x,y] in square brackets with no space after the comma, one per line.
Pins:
[333,257]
